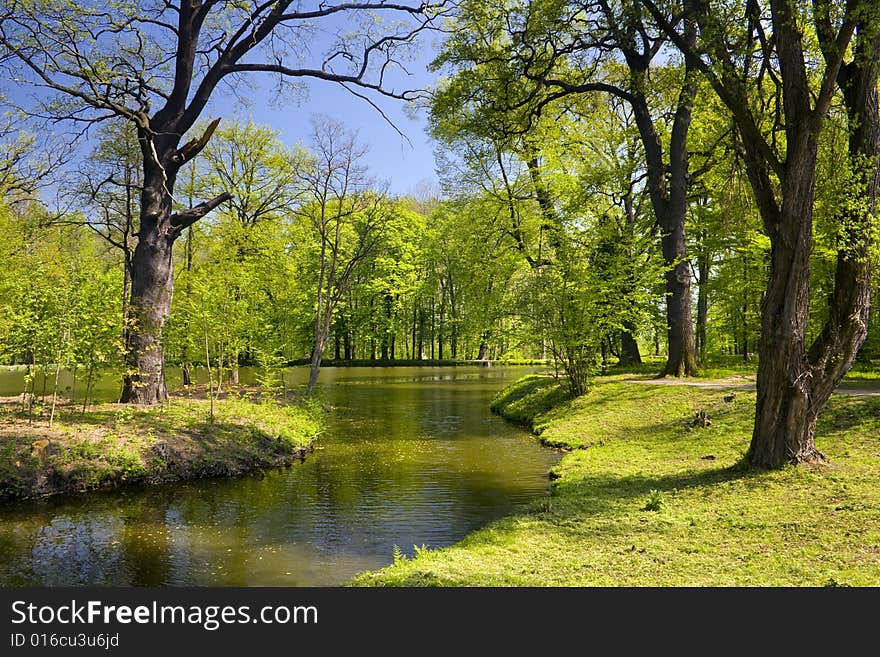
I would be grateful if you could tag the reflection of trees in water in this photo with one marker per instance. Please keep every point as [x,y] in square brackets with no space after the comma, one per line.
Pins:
[79,550]
[125,542]
[217,528]
[180,561]
[16,539]
[146,539]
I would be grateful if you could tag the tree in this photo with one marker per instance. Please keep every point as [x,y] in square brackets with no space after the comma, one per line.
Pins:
[344,215]
[263,177]
[109,185]
[518,60]
[58,299]
[156,65]
[774,85]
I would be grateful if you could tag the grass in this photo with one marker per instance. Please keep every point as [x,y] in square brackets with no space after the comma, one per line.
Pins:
[723,367]
[864,371]
[717,367]
[647,497]
[112,444]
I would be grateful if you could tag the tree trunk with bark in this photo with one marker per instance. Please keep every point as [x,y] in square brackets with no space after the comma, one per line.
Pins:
[704,266]
[667,189]
[152,267]
[629,347]
[484,346]
[314,368]
[152,285]
[681,358]
[794,383]
[784,424]
[346,343]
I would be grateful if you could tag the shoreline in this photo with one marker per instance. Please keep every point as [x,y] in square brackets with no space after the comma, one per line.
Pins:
[114,445]
[427,362]
[653,491]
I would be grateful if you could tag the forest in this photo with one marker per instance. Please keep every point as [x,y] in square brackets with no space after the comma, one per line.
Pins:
[681,182]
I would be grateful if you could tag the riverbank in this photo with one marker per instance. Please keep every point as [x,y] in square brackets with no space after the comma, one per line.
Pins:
[419,362]
[112,445]
[653,493]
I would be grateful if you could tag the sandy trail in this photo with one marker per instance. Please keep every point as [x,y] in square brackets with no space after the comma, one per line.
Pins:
[748,383]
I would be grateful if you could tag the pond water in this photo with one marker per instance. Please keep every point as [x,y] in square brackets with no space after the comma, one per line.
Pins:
[411,456]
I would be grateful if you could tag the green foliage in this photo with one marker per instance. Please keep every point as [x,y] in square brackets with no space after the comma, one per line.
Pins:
[270,376]
[60,298]
[655,501]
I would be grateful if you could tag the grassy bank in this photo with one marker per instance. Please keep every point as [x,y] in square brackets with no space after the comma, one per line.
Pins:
[648,496]
[111,444]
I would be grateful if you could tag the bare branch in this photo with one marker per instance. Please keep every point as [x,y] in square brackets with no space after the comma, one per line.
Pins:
[195,146]
[182,220]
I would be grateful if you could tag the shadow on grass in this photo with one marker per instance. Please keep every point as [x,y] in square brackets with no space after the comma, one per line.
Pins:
[610,496]
[843,413]
[528,398]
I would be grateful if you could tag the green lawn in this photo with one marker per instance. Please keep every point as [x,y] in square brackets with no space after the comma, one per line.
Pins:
[645,498]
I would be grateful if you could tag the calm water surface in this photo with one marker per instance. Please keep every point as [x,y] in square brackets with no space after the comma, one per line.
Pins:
[411,456]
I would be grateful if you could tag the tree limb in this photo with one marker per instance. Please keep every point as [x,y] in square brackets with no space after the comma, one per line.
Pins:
[182,220]
[194,146]
[733,98]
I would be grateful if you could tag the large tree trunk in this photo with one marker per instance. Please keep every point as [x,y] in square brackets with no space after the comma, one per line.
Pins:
[784,423]
[681,359]
[152,267]
[667,187]
[152,285]
[794,384]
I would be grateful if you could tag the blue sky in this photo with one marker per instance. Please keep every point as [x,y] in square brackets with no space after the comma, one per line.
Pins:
[404,163]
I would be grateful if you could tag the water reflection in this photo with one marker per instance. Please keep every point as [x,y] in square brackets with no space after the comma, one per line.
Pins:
[79,550]
[412,458]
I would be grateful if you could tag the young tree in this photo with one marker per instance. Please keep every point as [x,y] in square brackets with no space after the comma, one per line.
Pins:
[344,215]
[156,65]
[263,177]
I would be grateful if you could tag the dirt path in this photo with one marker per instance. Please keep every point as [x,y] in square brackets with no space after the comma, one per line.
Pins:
[748,383]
